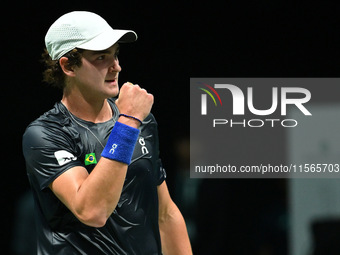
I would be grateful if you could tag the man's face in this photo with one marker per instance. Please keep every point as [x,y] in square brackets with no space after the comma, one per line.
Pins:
[98,74]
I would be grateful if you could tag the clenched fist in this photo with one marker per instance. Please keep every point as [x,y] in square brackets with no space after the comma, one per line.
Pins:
[134,101]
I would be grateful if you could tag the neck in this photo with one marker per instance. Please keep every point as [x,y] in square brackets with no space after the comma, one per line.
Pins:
[95,111]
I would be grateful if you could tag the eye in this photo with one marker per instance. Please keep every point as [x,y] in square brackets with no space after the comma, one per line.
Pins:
[116,54]
[102,57]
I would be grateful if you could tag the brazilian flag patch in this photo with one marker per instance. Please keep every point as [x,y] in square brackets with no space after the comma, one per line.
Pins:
[90,159]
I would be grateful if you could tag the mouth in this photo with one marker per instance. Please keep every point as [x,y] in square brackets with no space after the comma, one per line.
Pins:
[111,81]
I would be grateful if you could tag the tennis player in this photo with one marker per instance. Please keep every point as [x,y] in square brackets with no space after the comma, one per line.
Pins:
[92,161]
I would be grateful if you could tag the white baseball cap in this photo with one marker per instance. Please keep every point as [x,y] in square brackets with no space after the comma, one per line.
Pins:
[83,30]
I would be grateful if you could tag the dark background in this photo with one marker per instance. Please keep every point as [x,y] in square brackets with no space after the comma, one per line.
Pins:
[177,40]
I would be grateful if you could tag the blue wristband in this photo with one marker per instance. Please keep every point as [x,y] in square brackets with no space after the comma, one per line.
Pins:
[121,143]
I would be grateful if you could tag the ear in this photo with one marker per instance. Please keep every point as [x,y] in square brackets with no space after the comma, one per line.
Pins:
[63,62]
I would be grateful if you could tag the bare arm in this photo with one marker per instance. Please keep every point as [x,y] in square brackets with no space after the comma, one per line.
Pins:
[174,235]
[93,197]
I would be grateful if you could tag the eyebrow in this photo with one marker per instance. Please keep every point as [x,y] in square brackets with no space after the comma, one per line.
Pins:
[104,51]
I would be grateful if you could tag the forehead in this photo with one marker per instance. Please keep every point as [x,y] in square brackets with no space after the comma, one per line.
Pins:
[113,49]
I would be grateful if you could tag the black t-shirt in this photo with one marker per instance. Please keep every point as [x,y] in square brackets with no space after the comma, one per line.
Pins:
[58,141]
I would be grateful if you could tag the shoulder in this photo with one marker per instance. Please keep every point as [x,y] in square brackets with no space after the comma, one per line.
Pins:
[149,125]
[48,127]
[150,119]
[55,116]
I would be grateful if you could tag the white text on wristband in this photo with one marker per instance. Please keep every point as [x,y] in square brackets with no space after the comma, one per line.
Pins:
[121,143]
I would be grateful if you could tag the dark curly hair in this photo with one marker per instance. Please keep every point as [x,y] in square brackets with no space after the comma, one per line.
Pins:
[53,73]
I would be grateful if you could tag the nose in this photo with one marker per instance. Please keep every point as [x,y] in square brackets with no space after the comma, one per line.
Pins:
[115,67]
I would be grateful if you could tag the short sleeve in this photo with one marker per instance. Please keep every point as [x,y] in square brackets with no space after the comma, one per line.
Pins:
[161,174]
[48,152]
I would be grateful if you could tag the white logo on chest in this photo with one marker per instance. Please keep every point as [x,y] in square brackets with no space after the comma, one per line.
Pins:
[142,143]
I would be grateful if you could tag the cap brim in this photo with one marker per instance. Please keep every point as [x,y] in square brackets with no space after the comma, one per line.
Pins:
[108,38]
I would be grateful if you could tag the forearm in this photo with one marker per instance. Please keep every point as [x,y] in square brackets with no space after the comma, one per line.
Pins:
[98,195]
[174,235]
